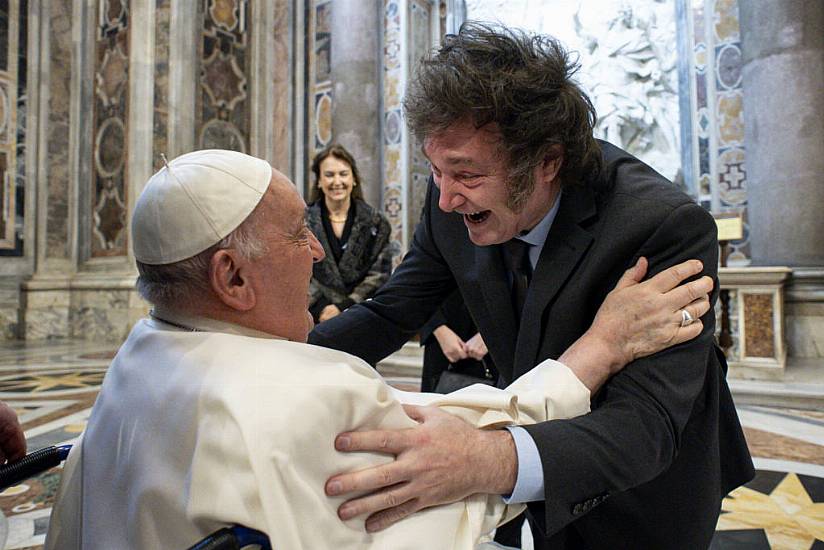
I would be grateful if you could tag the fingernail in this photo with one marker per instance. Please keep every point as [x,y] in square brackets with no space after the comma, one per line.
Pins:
[342,443]
[372,526]
[345,512]
[333,488]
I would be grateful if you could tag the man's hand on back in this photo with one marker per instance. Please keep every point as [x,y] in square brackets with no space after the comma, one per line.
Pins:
[442,460]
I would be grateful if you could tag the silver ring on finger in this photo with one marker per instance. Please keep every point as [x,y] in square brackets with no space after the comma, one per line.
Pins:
[686,318]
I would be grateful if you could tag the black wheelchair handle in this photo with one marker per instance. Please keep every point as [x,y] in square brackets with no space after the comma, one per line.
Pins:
[222,539]
[233,538]
[32,464]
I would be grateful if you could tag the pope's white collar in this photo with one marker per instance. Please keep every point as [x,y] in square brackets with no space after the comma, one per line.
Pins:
[205,324]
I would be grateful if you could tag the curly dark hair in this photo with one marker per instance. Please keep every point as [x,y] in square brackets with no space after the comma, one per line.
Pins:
[339,152]
[520,82]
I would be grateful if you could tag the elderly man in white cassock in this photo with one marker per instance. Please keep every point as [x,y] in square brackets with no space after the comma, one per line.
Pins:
[215,411]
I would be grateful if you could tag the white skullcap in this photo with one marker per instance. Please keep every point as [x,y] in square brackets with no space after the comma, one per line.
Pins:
[194,202]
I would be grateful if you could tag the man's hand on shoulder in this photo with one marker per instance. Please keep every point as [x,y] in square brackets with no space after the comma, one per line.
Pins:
[442,460]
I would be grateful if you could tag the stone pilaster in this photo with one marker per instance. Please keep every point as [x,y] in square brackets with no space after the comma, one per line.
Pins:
[783,48]
[355,65]
[805,313]
[72,293]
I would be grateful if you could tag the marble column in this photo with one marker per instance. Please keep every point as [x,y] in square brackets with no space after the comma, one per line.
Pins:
[44,300]
[783,47]
[355,65]
[783,76]
[73,293]
[183,76]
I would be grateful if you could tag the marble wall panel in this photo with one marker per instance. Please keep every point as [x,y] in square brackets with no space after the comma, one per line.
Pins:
[223,112]
[45,314]
[320,132]
[101,309]
[420,42]
[805,329]
[717,119]
[111,118]
[394,200]
[160,119]
[12,126]
[57,141]
[46,324]
[322,69]
[758,323]
[100,315]
[46,298]
[8,322]
[100,299]
[22,110]
[323,118]
[281,118]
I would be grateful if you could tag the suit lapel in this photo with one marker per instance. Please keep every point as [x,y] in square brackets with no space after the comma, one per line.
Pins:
[565,246]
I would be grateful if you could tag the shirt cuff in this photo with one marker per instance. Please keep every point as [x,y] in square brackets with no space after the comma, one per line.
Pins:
[529,485]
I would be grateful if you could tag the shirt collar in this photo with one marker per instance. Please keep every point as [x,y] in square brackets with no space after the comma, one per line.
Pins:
[205,324]
[536,237]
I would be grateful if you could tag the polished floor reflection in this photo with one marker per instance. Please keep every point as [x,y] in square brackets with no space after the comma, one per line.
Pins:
[53,386]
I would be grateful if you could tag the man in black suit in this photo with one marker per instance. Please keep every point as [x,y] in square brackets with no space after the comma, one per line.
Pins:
[509,137]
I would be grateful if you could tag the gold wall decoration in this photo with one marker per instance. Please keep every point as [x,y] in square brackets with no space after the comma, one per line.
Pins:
[111,115]
[223,109]
[9,88]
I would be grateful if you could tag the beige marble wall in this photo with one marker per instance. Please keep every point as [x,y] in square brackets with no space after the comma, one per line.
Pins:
[104,314]
[99,308]
[161,87]
[9,321]
[59,73]
[45,311]
[281,88]
[74,294]
[805,313]
[9,308]
[805,330]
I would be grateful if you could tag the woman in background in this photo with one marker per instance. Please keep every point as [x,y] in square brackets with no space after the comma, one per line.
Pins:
[354,236]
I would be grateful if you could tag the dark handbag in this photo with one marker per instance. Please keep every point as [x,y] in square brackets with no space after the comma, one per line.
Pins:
[465,373]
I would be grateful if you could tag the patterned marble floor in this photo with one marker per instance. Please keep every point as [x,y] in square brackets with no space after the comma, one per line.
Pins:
[53,386]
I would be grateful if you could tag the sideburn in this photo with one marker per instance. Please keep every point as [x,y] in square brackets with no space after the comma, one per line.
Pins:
[520,187]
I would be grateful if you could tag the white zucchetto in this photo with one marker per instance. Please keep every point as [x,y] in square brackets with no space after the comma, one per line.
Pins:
[194,202]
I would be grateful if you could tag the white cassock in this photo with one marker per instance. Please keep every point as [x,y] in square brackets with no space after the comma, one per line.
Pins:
[196,430]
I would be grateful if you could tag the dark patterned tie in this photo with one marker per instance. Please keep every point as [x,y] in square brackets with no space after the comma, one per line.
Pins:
[516,257]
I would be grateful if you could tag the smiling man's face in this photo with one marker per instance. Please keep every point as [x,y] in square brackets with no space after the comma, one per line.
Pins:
[470,169]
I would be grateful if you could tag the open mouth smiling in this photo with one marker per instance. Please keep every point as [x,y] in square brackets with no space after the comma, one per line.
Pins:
[477,217]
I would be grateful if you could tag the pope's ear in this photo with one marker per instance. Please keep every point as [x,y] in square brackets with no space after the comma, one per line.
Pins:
[228,278]
[551,165]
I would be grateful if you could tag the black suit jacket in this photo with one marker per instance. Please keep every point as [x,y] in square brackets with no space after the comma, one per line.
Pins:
[648,467]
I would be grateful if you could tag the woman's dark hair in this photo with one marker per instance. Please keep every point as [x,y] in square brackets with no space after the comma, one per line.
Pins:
[339,152]
[520,82]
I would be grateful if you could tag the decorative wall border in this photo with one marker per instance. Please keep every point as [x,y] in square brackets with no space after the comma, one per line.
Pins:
[411,28]
[715,139]
[160,119]
[110,130]
[394,131]
[13,130]
[320,51]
